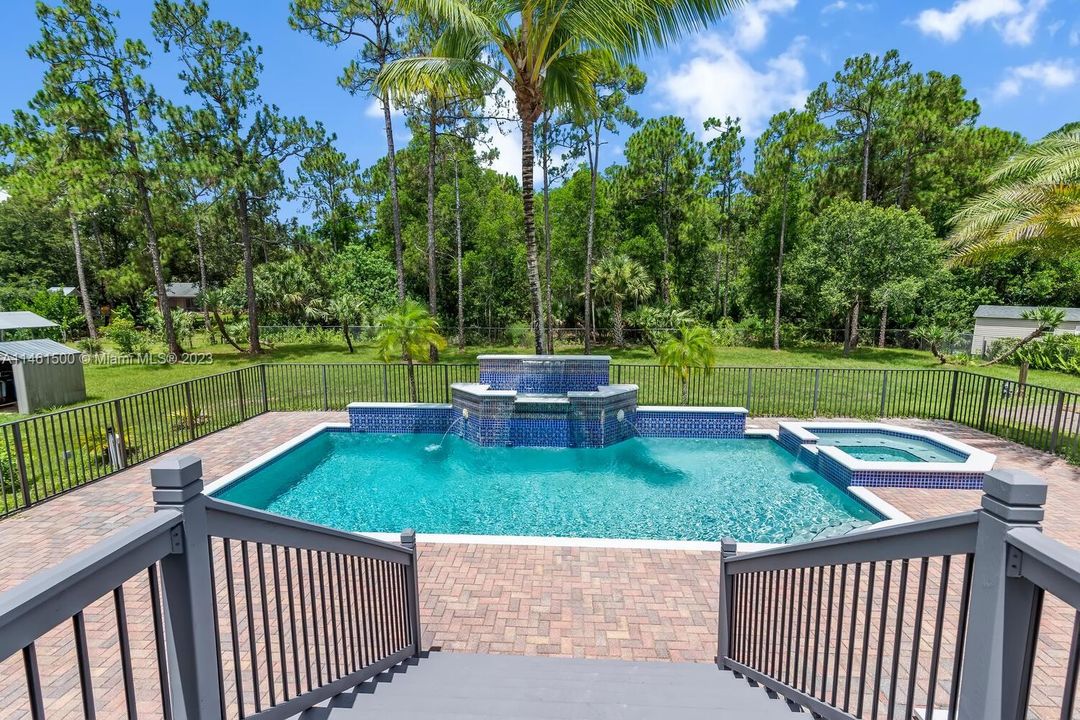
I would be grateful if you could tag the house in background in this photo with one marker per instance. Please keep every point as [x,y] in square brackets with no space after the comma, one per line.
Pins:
[65,291]
[182,296]
[994,322]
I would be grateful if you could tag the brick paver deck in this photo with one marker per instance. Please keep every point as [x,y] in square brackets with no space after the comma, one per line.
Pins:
[579,602]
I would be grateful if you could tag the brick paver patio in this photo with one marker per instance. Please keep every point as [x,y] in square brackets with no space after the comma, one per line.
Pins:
[571,601]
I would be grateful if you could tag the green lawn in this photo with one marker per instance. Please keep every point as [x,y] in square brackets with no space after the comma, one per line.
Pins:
[109,381]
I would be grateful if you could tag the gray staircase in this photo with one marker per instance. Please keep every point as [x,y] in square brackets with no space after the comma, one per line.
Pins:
[461,686]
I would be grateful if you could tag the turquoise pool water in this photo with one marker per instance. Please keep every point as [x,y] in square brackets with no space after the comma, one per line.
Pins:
[879,447]
[667,489]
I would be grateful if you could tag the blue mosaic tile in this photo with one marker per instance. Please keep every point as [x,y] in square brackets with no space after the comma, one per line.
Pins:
[690,424]
[544,375]
[396,419]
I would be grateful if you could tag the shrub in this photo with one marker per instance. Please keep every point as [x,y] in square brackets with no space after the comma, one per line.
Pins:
[128,339]
[90,346]
[1052,352]
[519,333]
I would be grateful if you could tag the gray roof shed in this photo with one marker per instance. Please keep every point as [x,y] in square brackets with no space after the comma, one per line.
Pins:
[23,319]
[36,374]
[34,349]
[1016,312]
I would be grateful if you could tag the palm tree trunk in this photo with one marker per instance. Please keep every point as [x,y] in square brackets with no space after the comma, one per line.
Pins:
[432,270]
[780,268]
[545,162]
[80,272]
[590,233]
[204,286]
[882,325]
[1033,335]
[395,206]
[155,262]
[225,333]
[243,218]
[412,377]
[460,281]
[617,321]
[345,332]
[685,382]
[532,262]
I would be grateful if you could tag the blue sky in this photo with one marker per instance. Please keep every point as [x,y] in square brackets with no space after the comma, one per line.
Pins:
[1020,58]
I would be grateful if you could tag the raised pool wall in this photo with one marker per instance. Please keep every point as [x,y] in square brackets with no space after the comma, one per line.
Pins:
[846,471]
[546,401]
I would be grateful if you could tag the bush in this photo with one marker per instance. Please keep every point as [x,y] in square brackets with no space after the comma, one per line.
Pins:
[1053,352]
[519,333]
[90,346]
[128,339]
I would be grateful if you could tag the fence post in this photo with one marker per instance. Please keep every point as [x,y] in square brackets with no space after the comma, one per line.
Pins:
[817,390]
[262,383]
[446,383]
[190,410]
[412,590]
[1059,407]
[749,387]
[385,385]
[188,592]
[884,391]
[325,391]
[20,462]
[985,409]
[1003,610]
[952,394]
[240,393]
[723,636]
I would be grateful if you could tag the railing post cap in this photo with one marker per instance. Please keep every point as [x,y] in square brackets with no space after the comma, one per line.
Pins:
[408,537]
[176,472]
[1014,487]
[728,546]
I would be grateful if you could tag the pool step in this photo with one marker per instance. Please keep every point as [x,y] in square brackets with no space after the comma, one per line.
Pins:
[542,404]
[483,687]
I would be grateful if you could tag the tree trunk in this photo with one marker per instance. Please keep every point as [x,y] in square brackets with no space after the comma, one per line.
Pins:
[866,161]
[532,262]
[345,332]
[617,321]
[412,377]
[590,233]
[204,286]
[395,207]
[155,261]
[1033,335]
[243,219]
[225,333]
[780,268]
[882,326]
[853,333]
[665,276]
[460,281]
[80,272]
[432,271]
[684,381]
[545,162]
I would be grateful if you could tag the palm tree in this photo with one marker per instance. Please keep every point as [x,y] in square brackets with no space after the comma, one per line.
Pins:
[548,54]
[618,278]
[407,332]
[1032,206]
[937,338]
[346,308]
[1046,320]
[692,346]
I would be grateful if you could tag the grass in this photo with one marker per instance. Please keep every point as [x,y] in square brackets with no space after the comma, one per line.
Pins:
[108,381]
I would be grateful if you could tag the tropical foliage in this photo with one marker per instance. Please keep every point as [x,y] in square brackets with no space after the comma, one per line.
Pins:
[406,333]
[690,346]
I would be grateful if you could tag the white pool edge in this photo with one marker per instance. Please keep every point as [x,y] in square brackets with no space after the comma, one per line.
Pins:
[892,515]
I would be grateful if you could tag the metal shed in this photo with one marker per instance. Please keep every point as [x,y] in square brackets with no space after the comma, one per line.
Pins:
[994,322]
[37,374]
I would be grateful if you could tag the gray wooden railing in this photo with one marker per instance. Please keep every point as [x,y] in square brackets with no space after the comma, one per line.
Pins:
[942,614]
[251,614]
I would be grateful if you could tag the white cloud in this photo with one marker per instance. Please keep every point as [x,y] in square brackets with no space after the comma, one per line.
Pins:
[752,21]
[718,81]
[1014,20]
[839,5]
[3,195]
[834,6]
[1074,37]
[1049,75]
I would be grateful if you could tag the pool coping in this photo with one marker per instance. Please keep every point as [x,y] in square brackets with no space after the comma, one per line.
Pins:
[891,514]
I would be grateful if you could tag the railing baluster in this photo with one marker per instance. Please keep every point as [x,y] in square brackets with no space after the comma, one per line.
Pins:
[1072,670]
[82,654]
[897,640]
[839,634]
[882,622]
[234,625]
[125,651]
[916,640]
[851,639]
[159,640]
[249,609]
[871,580]
[33,683]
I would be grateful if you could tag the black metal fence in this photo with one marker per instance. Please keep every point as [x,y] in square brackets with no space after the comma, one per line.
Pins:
[46,455]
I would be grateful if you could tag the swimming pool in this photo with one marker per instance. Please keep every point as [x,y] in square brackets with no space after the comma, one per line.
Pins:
[879,447]
[642,488]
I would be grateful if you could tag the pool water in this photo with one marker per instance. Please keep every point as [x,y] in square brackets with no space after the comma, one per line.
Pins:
[879,447]
[670,489]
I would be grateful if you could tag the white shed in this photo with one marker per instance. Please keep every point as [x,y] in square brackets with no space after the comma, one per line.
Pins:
[994,322]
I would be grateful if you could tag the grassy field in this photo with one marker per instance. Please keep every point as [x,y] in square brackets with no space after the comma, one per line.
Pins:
[105,382]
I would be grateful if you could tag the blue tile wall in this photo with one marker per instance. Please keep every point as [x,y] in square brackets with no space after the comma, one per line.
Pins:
[690,424]
[391,419]
[544,377]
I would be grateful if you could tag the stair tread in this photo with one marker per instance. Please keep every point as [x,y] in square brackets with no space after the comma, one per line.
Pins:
[461,686]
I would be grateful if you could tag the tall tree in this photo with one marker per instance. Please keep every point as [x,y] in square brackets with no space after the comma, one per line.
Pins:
[618,279]
[98,78]
[724,172]
[663,169]
[374,25]
[864,92]
[326,183]
[546,53]
[246,140]
[613,87]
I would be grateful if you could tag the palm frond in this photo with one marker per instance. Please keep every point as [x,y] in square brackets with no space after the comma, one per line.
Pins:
[568,82]
[441,76]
